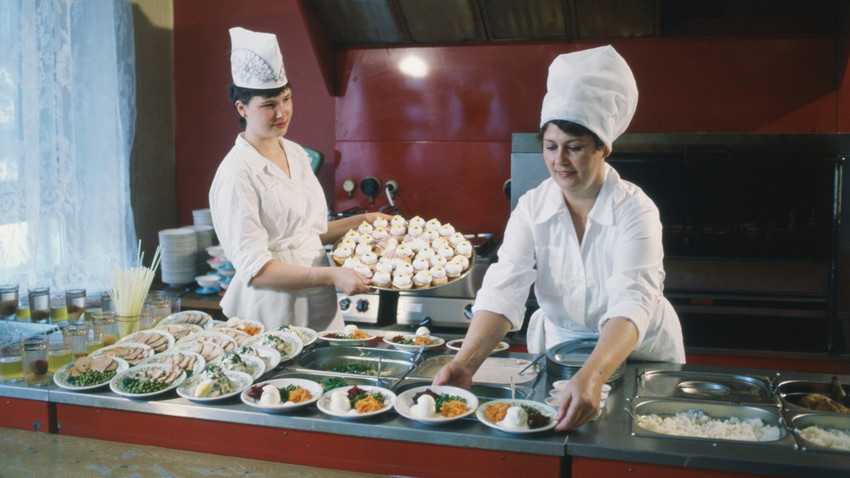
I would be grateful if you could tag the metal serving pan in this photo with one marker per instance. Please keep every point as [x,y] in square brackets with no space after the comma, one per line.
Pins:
[320,377]
[791,391]
[822,420]
[667,408]
[721,387]
[494,370]
[394,363]
[484,391]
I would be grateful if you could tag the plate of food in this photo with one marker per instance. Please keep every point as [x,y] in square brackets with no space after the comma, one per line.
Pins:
[245,363]
[194,317]
[282,394]
[240,337]
[517,416]
[178,331]
[421,339]
[434,404]
[356,401]
[89,373]
[144,381]
[132,352]
[191,362]
[350,335]
[249,327]
[226,342]
[435,253]
[306,334]
[214,383]
[457,343]
[269,355]
[286,343]
[157,339]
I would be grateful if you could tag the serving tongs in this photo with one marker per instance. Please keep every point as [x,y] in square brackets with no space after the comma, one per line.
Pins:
[416,358]
[534,363]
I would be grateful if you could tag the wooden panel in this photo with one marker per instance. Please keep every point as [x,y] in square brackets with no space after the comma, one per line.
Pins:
[368,455]
[30,415]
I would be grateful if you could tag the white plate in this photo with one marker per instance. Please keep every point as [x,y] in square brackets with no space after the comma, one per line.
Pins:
[257,364]
[239,336]
[195,317]
[135,336]
[542,408]
[112,351]
[178,331]
[212,353]
[438,342]
[241,382]
[307,335]
[269,355]
[335,341]
[290,347]
[324,403]
[456,343]
[117,386]
[225,341]
[199,364]
[314,388]
[245,322]
[405,401]
[60,377]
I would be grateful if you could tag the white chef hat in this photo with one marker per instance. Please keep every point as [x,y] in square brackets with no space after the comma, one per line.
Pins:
[255,60]
[594,88]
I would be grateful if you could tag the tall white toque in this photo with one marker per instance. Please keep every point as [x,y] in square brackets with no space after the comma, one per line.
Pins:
[255,60]
[594,88]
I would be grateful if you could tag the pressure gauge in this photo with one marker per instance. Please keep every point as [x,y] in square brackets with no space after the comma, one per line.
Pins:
[370,187]
[348,186]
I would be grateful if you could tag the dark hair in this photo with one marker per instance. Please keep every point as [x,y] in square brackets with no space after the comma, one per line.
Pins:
[245,94]
[569,127]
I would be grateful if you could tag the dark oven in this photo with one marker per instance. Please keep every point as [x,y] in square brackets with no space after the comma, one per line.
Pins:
[752,234]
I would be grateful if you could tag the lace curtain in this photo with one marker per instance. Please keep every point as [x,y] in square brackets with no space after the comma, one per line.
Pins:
[67,120]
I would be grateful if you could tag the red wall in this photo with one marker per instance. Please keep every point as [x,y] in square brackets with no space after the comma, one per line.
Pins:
[446,138]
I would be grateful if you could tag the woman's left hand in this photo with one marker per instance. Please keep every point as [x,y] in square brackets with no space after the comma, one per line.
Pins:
[579,402]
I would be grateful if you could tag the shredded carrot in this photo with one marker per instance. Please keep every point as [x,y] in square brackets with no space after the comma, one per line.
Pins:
[496,412]
[251,329]
[359,334]
[368,404]
[422,340]
[299,395]
[453,408]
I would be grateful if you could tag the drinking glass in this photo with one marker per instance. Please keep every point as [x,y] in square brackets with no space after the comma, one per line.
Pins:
[58,310]
[39,300]
[58,352]
[161,304]
[76,302]
[175,305]
[34,356]
[22,313]
[106,304]
[10,354]
[8,301]
[104,332]
[76,337]
[92,305]
[127,324]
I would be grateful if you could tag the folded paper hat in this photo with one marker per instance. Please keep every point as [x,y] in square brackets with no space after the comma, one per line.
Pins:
[594,88]
[255,60]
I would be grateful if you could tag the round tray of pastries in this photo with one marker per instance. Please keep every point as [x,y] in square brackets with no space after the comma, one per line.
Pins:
[401,254]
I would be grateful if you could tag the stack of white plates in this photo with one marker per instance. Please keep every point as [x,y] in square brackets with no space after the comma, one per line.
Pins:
[179,255]
[206,237]
[202,217]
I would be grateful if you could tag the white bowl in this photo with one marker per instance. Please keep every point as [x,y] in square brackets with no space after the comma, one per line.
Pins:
[226,271]
[223,284]
[216,251]
[208,281]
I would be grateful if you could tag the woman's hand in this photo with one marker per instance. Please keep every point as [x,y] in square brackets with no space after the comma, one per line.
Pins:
[371,217]
[455,374]
[349,281]
[579,401]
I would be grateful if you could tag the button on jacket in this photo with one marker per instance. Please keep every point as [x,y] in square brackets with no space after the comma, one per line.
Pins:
[616,271]
[260,214]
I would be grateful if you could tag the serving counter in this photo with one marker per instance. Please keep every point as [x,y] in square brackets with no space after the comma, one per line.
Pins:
[391,444]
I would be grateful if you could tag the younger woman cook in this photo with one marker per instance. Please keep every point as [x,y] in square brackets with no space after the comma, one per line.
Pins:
[268,208]
[589,241]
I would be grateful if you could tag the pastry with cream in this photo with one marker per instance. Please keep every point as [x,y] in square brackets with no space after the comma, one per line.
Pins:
[453,269]
[464,249]
[381,278]
[438,275]
[402,280]
[422,279]
[342,253]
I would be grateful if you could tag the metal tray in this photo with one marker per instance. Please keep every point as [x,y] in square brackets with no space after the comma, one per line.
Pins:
[822,420]
[494,370]
[394,363]
[768,415]
[565,359]
[792,390]
[319,377]
[484,392]
[705,386]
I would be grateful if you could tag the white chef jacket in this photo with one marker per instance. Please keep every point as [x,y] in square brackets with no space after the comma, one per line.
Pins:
[260,214]
[616,271]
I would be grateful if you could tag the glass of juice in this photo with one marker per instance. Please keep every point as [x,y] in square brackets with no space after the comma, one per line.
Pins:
[39,299]
[34,357]
[76,303]
[8,301]
[10,354]
[103,331]
[58,352]
[77,339]
[58,310]
[22,313]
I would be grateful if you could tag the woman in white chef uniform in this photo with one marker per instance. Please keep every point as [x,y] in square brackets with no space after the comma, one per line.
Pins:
[589,241]
[268,208]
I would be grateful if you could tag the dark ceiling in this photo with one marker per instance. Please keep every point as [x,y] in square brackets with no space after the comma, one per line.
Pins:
[336,25]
